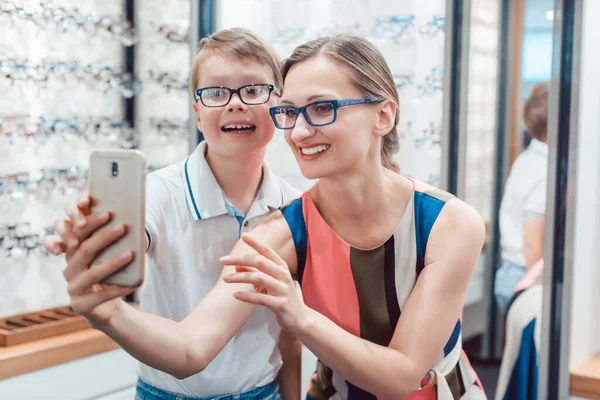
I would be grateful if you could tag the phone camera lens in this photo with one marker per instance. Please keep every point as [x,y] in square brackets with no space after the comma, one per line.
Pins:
[115,169]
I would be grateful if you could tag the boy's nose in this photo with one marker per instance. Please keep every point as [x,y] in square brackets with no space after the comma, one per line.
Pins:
[236,103]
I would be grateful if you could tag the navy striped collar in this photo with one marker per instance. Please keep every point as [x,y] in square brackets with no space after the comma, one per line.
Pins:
[204,194]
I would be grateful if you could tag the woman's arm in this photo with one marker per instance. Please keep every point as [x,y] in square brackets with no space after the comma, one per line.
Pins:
[289,376]
[426,322]
[533,240]
[180,349]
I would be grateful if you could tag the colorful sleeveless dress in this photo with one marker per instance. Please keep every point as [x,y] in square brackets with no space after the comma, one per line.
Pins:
[364,291]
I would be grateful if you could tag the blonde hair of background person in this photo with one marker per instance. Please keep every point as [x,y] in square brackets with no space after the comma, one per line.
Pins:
[226,172]
[362,199]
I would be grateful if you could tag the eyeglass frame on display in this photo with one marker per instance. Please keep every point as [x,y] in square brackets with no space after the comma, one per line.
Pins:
[103,78]
[436,25]
[172,33]
[91,129]
[50,14]
[385,27]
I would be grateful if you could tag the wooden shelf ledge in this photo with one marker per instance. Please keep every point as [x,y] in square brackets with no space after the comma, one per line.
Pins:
[32,356]
[585,379]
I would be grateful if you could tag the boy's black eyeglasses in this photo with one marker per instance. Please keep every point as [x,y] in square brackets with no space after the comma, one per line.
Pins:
[219,96]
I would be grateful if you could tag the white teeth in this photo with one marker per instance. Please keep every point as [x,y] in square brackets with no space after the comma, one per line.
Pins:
[239,126]
[314,150]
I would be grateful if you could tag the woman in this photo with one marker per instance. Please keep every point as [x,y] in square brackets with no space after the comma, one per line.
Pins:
[384,262]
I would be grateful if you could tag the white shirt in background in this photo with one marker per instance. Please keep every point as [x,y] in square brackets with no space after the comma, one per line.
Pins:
[524,197]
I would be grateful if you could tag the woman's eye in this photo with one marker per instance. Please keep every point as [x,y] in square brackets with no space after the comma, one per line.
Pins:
[323,108]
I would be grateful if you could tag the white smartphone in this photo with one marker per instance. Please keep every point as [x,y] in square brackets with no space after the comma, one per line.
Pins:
[117,183]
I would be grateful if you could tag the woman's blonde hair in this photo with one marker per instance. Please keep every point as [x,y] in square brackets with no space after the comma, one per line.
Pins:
[372,76]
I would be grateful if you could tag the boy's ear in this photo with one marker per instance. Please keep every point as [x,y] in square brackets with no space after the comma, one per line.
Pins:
[197,112]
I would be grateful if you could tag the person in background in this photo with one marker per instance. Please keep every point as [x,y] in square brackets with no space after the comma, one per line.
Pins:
[196,210]
[518,288]
[523,205]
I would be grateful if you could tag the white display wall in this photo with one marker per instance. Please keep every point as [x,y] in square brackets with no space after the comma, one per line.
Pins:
[64,84]
[482,107]
[481,130]
[584,321]
[410,35]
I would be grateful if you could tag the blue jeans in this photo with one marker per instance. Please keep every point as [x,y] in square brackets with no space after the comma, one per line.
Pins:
[147,392]
[507,278]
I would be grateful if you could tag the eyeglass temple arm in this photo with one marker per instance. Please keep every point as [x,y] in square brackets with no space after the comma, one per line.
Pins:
[350,102]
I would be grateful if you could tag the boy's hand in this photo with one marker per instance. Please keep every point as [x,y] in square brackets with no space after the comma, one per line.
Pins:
[72,231]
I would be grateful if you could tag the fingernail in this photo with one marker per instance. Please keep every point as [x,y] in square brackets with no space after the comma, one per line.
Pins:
[225,258]
[72,242]
[125,256]
[105,215]
[118,228]
[82,223]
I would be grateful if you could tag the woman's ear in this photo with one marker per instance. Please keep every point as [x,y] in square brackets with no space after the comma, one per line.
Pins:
[386,117]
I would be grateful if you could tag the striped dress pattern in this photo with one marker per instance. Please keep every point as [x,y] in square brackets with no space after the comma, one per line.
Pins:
[364,291]
[518,376]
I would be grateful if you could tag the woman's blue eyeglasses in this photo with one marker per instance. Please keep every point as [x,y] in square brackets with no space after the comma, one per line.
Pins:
[319,113]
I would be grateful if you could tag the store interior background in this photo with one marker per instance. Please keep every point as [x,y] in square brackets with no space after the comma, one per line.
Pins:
[144,102]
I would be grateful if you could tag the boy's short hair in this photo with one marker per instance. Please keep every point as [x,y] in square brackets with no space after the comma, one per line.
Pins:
[242,43]
[535,111]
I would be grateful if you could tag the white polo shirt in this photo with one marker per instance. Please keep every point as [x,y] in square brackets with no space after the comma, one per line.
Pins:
[189,227]
[524,197]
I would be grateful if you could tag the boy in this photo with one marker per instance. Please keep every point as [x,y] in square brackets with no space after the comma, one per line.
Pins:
[196,211]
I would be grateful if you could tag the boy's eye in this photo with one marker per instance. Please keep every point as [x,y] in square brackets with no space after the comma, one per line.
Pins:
[254,91]
[215,93]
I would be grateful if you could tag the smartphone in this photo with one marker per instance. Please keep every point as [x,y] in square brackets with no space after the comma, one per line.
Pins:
[117,184]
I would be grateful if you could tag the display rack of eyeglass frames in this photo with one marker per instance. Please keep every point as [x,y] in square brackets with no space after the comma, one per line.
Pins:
[69,85]
[163,65]
[63,81]
[410,34]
